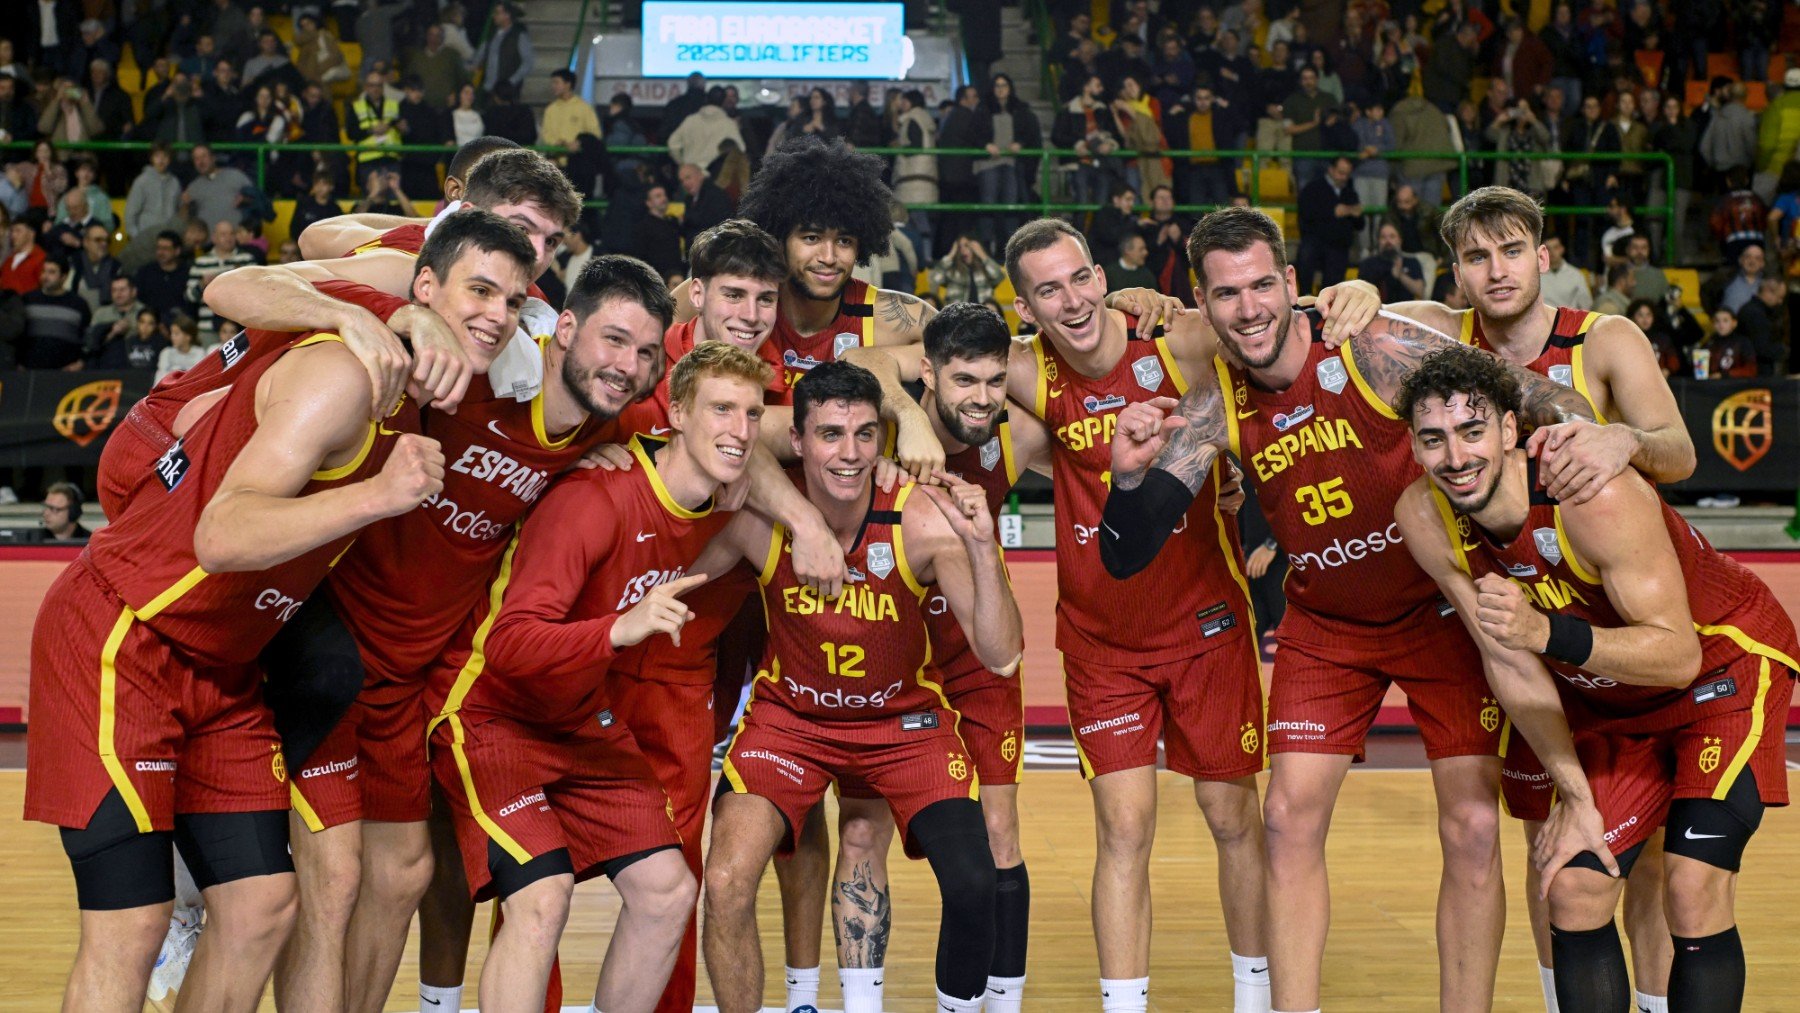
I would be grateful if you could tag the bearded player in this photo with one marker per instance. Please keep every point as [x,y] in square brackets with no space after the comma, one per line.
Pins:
[1317,435]
[1644,667]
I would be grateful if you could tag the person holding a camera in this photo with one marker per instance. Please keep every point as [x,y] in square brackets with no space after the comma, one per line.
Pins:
[1399,277]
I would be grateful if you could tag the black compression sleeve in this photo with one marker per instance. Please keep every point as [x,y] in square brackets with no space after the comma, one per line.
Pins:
[1137,521]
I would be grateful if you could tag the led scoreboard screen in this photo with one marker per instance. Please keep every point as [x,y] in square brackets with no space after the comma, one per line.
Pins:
[775,40]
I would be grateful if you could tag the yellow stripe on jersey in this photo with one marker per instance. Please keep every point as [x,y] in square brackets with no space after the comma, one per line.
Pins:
[1506,733]
[1586,575]
[1232,556]
[472,668]
[767,573]
[1467,334]
[1451,531]
[349,468]
[109,702]
[1169,365]
[770,674]
[497,835]
[663,496]
[304,808]
[1578,373]
[1754,738]
[1006,449]
[1229,408]
[537,414]
[1748,644]
[1043,378]
[867,324]
[168,597]
[906,570]
[1376,401]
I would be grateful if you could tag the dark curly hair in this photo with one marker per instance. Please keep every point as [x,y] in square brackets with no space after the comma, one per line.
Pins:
[1461,369]
[808,183]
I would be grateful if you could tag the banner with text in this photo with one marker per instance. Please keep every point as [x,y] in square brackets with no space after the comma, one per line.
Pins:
[776,40]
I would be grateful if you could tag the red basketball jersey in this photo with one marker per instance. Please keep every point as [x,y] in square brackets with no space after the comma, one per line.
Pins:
[1193,596]
[147,553]
[992,467]
[853,326]
[1561,357]
[678,340]
[409,582]
[1734,613]
[1330,459]
[861,655]
[537,648]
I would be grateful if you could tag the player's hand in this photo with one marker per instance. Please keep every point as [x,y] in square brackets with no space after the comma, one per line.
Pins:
[1141,431]
[1231,488]
[888,474]
[1576,459]
[607,457]
[382,354]
[660,611]
[1574,826]
[819,559]
[413,472]
[916,447]
[1257,562]
[965,506]
[1348,307]
[1505,615]
[441,367]
[1149,306]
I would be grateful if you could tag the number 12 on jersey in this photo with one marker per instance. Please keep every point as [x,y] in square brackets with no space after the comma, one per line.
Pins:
[843,660]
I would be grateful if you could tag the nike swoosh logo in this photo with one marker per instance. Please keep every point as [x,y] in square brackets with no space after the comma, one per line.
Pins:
[1245,415]
[644,536]
[494,427]
[1471,546]
[1056,392]
[1259,970]
[660,430]
[877,982]
[436,1002]
[1690,835]
[384,431]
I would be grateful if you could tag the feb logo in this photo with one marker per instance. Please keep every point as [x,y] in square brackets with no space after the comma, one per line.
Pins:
[87,412]
[1285,422]
[278,766]
[1743,427]
[958,767]
[1009,747]
[1709,756]
[1101,404]
[1248,738]
[1490,714]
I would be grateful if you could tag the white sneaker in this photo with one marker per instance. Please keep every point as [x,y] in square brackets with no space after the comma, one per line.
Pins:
[177,951]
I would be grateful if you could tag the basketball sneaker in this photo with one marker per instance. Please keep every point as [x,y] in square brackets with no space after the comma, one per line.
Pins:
[177,951]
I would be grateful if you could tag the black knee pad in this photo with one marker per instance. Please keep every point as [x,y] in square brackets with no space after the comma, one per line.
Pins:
[1590,970]
[117,866]
[222,847]
[1012,921]
[314,674]
[1626,859]
[952,835]
[510,876]
[1715,831]
[613,866]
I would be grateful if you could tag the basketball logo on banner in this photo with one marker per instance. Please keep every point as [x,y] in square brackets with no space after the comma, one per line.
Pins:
[87,412]
[1743,427]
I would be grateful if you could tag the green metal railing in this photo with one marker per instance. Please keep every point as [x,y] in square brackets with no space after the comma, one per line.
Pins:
[1048,160]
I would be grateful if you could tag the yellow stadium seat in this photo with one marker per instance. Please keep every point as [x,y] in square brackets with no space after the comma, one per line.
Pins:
[1689,281]
[922,283]
[276,232]
[1004,294]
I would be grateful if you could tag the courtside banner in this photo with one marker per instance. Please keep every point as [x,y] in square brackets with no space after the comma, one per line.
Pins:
[49,417]
[1746,433]
[776,40]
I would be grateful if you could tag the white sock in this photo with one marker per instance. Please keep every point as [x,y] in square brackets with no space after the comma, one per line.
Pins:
[1547,977]
[1652,1003]
[1250,984]
[1005,994]
[951,1004]
[440,998]
[862,988]
[1124,994]
[802,986]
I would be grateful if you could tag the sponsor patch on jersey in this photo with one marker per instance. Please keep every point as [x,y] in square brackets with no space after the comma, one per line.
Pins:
[606,719]
[1521,569]
[1715,689]
[1149,372]
[990,454]
[1547,545]
[843,343]
[795,360]
[1332,375]
[918,722]
[1283,423]
[1563,373]
[232,352]
[853,575]
[172,466]
[880,558]
[1100,404]
[1219,623]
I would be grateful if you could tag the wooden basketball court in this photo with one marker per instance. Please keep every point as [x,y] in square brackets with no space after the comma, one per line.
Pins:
[1384,867]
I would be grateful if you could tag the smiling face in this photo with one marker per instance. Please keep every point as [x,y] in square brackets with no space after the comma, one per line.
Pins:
[1499,274]
[970,396]
[611,359]
[820,261]
[720,426]
[1250,303]
[737,310]
[838,449]
[544,231]
[1462,447]
[1064,295]
[480,299]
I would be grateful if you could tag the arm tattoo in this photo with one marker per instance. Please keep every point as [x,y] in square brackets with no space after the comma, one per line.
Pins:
[862,917]
[904,312]
[1192,449]
[1392,348]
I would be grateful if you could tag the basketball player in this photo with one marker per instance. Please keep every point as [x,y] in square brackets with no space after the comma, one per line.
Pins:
[868,712]
[170,604]
[1670,661]
[1495,237]
[336,237]
[1317,435]
[547,786]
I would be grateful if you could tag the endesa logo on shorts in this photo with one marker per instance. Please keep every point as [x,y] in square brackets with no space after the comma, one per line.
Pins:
[1342,551]
[838,698]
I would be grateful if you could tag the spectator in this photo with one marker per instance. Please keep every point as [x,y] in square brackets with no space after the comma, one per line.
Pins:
[270,57]
[319,204]
[1588,180]
[422,123]
[287,253]
[569,117]
[1740,218]
[1784,215]
[1623,226]
[1621,288]
[1517,130]
[196,60]
[465,120]
[183,351]
[967,273]
[1778,136]
[1004,126]
[383,194]
[506,56]
[56,322]
[1649,319]
[18,117]
[1523,61]
[162,283]
[177,116]
[1165,233]
[1173,72]
[1729,140]
[1304,111]
[797,114]
[705,204]
[1278,80]
[1232,77]
[1563,285]
[1420,126]
[916,175]
[1730,355]
[62,513]
[224,255]
[864,127]
[117,337]
[45,178]
[1329,215]
[438,66]
[658,238]
[216,193]
[93,270]
[1128,270]
[72,118]
[9,59]
[1081,26]
[317,54]
[1763,321]
[1272,137]
[1451,67]
[93,45]
[456,37]
[1374,139]
[375,30]
[1115,221]
[263,122]
[1652,284]
[12,191]
[99,202]
[696,139]
[1399,278]
[1086,125]
[222,101]
[820,118]
[23,269]
[1199,124]
[505,117]
[231,30]
[1125,59]
[621,131]
[1675,134]
[577,249]
[1140,129]
[373,121]
[1634,139]
[63,239]
[684,105]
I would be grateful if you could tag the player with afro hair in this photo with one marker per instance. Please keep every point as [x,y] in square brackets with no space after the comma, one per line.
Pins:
[830,187]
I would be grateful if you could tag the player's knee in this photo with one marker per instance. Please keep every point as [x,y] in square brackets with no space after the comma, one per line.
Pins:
[401,874]
[730,889]
[539,910]
[1003,839]
[1699,897]
[953,839]
[329,886]
[1294,821]
[1127,834]
[865,837]
[1470,834]
[656,884]
[254,915]
[1581,899]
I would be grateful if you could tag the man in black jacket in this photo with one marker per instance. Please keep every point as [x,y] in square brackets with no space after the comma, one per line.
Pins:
[956,173]
[162,283]
[1330,213]
[707,205]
